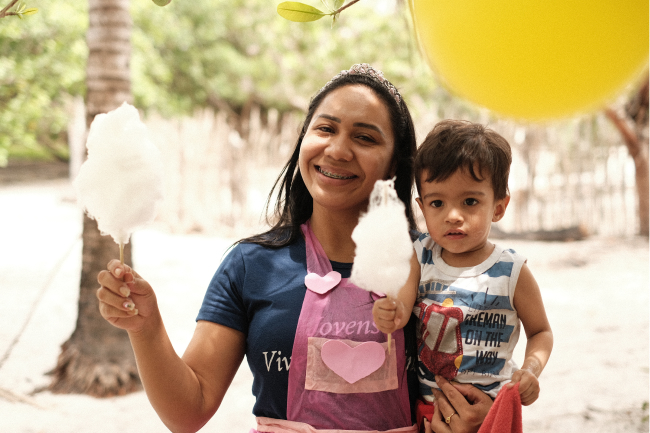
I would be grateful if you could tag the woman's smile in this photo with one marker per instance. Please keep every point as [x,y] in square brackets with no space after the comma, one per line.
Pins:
[332,175]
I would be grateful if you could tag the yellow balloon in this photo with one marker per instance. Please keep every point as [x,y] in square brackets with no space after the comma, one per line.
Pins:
[534,60]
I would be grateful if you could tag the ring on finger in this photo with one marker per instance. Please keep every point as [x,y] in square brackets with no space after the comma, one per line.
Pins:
[448,418]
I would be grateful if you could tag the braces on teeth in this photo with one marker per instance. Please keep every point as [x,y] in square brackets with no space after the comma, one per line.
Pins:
[335,176]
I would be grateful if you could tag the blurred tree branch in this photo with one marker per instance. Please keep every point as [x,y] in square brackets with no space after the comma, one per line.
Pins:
[301,12]
[338,11]
[3,12]
[633,127]
[20,11]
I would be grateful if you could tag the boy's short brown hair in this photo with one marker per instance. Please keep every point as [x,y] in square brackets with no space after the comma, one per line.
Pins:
[458,144]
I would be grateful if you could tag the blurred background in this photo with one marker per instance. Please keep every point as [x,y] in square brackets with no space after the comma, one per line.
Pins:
[223,86]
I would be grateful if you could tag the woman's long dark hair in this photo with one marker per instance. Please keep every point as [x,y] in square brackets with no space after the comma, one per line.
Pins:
[294,204]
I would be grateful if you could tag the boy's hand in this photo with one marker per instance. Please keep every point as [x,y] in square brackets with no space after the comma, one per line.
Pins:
[528,386]
[389,315]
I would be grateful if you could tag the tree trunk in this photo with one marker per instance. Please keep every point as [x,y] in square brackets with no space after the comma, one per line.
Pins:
[643,192]
[635,138]
[97,359]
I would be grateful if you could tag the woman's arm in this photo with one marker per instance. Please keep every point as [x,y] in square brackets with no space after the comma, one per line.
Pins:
[185,392]
[530,309]
[391,314]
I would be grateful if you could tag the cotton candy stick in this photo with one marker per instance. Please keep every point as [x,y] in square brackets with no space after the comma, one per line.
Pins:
[383,245]
[120,184]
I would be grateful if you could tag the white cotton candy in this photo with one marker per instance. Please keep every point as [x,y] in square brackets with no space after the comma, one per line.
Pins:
[120,184]
[383,245]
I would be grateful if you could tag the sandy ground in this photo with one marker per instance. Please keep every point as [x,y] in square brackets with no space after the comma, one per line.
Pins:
[595,292]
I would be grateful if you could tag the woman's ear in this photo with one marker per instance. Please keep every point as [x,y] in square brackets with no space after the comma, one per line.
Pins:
[392,170]
[500,208]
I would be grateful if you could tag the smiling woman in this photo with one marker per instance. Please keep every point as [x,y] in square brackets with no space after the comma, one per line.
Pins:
[343,154]
[280,298]
[361,88]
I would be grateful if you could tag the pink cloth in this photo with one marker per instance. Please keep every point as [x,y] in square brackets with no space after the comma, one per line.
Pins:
[269,425]
[505,414]
[320,394]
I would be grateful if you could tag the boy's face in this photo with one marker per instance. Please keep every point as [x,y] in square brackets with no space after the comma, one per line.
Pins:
[459,212]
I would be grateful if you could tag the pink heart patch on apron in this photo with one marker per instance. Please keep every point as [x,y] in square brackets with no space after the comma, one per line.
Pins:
[353,363]
[322,285]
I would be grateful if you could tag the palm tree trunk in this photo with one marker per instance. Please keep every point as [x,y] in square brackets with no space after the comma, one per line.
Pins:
[97,359]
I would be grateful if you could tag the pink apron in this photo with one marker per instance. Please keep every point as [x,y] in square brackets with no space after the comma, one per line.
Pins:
[342,378]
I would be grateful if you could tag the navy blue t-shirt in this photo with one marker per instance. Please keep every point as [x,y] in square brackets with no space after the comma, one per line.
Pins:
[259,291]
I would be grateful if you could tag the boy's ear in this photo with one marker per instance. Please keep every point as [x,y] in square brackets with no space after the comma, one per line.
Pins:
[500,208]
[419,200]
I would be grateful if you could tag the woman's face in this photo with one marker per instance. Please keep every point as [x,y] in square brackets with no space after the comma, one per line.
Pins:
[347,147]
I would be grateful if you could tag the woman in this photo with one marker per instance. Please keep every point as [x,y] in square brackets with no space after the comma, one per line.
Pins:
[261,303]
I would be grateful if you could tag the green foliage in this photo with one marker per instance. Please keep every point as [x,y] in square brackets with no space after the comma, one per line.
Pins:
[162,2]
[299,12]
[188,55]
[19,9]
[226,53]
[303,13]
[42,63]
[337,3]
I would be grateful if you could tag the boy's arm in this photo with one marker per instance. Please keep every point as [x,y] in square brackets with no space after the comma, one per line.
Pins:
[530,308]
[391,314]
